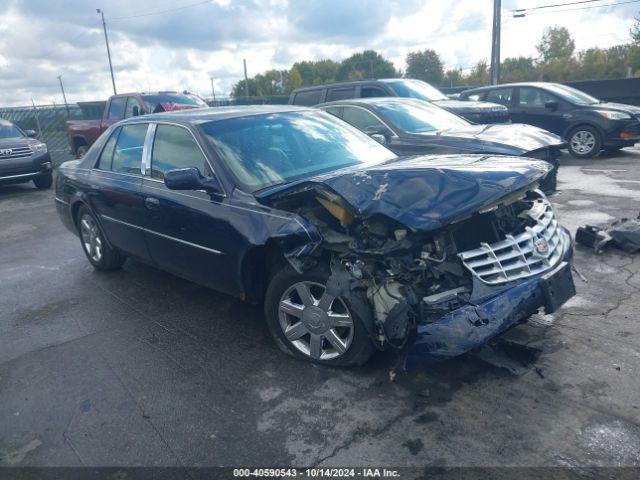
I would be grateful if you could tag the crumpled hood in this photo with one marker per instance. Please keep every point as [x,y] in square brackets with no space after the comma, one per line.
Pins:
[620,107]
[515,136]
[429,192]
[471,106]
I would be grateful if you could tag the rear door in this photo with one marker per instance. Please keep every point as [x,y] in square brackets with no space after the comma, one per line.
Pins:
[187,231]
[115,194]
[530,107]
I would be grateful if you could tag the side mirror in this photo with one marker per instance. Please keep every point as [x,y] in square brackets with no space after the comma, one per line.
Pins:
[551,105]
[191,179]
[378,137]
[30,133]
[135,111]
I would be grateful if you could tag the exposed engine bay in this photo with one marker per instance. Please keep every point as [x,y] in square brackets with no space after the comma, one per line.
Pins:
[396,277]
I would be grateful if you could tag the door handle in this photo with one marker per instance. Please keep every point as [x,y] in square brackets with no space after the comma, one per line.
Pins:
[151,203]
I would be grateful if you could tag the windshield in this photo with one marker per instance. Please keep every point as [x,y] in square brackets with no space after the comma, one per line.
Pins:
[179,99]
[419,117]
[9,130]
[416,89]
[571,94]
[276,148]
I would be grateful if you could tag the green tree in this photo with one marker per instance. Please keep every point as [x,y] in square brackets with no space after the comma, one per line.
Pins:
[479,74]
[367,64]
[238,89]
[317,72]
[453,78]
[293,81]
[556,44]
[425,65]
[518,69]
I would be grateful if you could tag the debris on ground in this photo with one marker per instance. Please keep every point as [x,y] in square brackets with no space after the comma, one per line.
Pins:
[514,357]
[623,233]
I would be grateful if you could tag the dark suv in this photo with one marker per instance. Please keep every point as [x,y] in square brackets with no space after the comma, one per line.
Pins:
[22,157]
[589,125]
[476,112]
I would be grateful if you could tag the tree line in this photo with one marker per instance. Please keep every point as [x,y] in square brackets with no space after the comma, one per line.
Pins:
[557,61]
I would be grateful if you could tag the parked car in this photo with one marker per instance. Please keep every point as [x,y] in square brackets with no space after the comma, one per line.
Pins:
[349,247]
[589,125]
[82,133]
[22,157]
[411,127]
[476,112]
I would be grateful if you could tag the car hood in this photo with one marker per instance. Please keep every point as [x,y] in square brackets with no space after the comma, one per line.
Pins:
[514,139]
[429,192]
[470,106]
[17,142]
[621,107]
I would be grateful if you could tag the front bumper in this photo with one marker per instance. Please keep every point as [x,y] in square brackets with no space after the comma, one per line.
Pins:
[623,133]
[472,326]
[24,169]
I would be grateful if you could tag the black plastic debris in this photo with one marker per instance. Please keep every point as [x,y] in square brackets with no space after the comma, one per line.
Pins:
[623,234]
[514,357]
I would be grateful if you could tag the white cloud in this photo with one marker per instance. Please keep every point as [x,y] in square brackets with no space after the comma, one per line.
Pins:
[183,48]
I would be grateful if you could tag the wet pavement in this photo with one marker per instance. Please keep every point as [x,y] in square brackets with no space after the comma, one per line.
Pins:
[138,367]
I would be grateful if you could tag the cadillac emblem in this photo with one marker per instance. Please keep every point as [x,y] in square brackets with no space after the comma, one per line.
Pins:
[541,247]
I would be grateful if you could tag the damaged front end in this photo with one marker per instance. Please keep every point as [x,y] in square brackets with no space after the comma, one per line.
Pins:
[444,291]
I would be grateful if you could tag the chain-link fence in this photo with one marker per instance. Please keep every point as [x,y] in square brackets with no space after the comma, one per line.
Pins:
[50,123]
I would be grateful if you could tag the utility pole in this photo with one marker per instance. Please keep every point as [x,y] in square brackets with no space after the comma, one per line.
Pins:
[246,79]
[64,97]
[106,40]
[495,44]
[213,91]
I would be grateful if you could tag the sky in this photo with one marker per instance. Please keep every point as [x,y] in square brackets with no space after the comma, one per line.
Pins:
[181,44]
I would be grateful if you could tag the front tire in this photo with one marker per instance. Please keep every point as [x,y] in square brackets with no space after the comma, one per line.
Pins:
[311,325]
[44,181]
[99,253]
[584,142]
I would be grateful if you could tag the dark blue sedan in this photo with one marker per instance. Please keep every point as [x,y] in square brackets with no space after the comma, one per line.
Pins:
[349,248]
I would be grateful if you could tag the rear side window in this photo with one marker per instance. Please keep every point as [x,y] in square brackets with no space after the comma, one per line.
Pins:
[369,92]
[104,162]
[116,108]
[336,111]
[127,155]
[362,119]
[308,98]
[340,94]
[175,147]
[502,96]
[131,103]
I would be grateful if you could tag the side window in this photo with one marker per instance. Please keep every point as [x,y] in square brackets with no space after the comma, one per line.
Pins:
[340,94]
[131,102]
[308,98]
[362,119]
[368,92]
[127,157]
[116,108]
[175,147]
[335,111]
[473,97]
[104,162]
[533,98]
[501,95]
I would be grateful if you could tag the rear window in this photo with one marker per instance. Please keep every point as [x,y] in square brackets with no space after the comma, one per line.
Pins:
[155,102]
[340,94]
[307,98]
[127,155]
[502,96]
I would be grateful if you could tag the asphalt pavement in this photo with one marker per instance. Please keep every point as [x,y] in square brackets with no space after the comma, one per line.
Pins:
[138,367]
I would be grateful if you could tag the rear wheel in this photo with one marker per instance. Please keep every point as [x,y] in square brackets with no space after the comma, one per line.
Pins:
[98,252]
[584,142]
[44,181]
[308,323]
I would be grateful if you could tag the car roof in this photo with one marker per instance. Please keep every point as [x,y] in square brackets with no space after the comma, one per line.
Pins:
[347,83]
[202,115]
[510,85]
[373,101]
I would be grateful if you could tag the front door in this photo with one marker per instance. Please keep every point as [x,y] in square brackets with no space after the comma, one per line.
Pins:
[187,231]
[532,106]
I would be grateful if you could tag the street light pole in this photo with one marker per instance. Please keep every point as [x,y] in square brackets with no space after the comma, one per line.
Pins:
[246,79]
[64,97]
[213,92]
[495,44]
[106,40]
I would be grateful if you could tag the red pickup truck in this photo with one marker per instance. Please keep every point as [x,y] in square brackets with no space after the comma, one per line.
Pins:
[82,133]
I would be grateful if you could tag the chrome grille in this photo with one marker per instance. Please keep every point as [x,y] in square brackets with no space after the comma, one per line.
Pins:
[517,256]
[15,152]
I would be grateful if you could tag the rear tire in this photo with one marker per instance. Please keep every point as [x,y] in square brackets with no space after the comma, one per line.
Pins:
[43,182]
[584,142]
[329,333]
[99,253]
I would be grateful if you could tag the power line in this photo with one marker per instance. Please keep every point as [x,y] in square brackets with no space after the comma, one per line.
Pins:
[160,12]
[518,15]
[553,5]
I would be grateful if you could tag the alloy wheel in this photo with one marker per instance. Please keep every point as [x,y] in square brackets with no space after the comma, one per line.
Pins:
[91,238]
[317,324]
[583,142]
